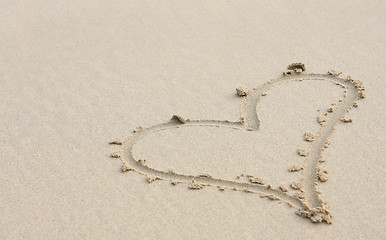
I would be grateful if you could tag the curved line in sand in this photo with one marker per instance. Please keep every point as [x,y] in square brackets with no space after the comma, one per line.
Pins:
[310,205]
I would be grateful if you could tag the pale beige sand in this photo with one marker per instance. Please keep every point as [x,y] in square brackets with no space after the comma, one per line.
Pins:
[76,76]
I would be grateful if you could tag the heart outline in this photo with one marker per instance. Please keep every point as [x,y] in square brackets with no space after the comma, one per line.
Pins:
[310,205]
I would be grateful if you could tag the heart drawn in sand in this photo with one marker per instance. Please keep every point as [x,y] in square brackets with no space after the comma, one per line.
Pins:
[307,201]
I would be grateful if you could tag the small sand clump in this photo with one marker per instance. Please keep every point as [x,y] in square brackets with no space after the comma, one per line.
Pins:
[283,188]
[142,162]
[317,215]
[309,137]
[138,129]
[359,85]
[321,120]
[297,66]
[242,91]
[326,143]
[273,197]
[334,72]
[296,185]
[346,120]
[151,179]
[256,180]
[126,168]
[289,72]
[303,152]
[362,95]
[115,155]
[300,195]
[205,175]
[322,175]
[195,185]
[116,142]
[247,190]
[295,168]
[179,119]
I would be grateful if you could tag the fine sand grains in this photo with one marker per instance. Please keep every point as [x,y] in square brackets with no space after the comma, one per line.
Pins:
[307,198]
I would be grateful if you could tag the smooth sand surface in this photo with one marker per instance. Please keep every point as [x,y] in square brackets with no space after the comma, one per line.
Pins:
[75,76]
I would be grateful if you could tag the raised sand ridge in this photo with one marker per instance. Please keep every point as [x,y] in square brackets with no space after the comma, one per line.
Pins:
[307,201]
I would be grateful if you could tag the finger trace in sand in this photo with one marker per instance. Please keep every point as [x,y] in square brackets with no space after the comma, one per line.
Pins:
[307,200]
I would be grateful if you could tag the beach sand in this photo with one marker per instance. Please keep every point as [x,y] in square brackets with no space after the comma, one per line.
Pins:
[174,120]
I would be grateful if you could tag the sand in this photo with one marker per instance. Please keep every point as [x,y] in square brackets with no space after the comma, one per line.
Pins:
[189,119]
[308,202]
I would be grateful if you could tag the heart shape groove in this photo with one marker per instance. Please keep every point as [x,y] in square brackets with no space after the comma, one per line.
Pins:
[307,201]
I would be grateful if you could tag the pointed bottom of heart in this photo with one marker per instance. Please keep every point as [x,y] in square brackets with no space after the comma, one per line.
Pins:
[307,199]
